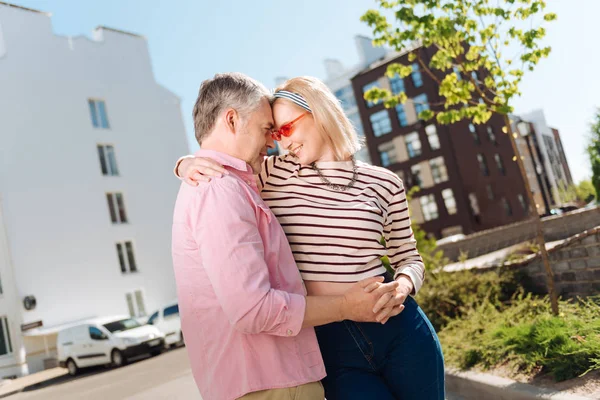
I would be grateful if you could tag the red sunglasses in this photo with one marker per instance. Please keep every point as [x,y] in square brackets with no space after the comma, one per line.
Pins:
[286,129]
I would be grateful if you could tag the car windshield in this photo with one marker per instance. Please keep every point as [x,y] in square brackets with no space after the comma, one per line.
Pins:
[122,325]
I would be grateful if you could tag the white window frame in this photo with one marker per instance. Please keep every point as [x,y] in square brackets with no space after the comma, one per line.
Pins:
[96,113]
[417,150]
[126,260]
[5,325]
[432,137]
[438,164]
[386,127]
[112,169]
[429,207]
[138,312]
[449,201]
[112,198]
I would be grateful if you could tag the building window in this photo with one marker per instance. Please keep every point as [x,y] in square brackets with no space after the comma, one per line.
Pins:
[432,137]
[416,75]
[449,201]
[457,72]
[490,192]
[421,103]
[491,135]
[500,164]
[429,207]
[415,175]
[387,153]
[507,207]
[522,202]
[135,304]
[401,115]
[483,165]
[438,170]
[116,207]
[397,84]
[98,113]
[346,97]
[5,341]
[126,257]
[474,204]
[413,144]
[381,123]
[370,86]
[108,162]
[473,131]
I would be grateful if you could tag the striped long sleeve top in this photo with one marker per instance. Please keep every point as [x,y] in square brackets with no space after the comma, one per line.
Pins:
[336,235]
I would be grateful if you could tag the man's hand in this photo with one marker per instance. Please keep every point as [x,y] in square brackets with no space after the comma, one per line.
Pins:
[391,303]
[360,300]
[199,169]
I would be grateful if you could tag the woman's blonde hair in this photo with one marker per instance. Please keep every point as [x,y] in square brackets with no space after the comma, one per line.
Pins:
[332,123]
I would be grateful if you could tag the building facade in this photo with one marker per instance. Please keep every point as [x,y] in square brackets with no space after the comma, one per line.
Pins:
[465,173]
[88,140]
[339,81]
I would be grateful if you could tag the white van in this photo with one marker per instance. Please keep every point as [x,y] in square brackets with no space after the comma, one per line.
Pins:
[104,341]
[167,321]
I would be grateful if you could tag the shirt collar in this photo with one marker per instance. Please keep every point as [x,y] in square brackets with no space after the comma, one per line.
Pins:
[225,159]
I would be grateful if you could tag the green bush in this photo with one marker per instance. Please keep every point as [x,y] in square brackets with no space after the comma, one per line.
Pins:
[524,336]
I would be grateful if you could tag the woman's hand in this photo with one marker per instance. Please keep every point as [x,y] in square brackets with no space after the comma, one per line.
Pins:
[199,169]
[391,303]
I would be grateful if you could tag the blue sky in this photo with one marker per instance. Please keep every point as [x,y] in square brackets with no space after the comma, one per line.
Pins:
[191,40]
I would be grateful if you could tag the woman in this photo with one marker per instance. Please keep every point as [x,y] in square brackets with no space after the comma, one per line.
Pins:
[335,211]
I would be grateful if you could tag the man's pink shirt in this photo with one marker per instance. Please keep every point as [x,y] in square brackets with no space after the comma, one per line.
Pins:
[241,297]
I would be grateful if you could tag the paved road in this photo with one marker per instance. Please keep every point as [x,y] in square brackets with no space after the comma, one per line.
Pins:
[166,377]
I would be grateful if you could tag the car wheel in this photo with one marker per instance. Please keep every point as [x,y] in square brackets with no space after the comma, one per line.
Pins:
[181,340]
[72,367]
[117,358]
[155,353]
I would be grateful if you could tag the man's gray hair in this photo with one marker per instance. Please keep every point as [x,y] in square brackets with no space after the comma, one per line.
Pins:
[229,90]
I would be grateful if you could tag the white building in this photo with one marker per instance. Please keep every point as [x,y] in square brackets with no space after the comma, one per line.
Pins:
[83,124]
[550,156]
[338,80]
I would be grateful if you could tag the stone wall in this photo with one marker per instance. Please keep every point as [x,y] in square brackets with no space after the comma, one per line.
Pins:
[555,228]
[575,264]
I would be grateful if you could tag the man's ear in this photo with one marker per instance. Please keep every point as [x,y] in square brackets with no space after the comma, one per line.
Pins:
[232,120]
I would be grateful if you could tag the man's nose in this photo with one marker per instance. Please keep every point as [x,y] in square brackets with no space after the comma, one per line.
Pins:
[270,142]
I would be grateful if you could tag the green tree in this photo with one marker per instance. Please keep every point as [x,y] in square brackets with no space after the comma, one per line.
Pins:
[585,191]
[468,48]
[594,152]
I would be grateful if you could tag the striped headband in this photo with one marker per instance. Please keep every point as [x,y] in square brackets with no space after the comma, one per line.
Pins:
[294,98]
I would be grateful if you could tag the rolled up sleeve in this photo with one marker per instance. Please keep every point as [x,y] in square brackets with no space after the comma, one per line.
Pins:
[225,225]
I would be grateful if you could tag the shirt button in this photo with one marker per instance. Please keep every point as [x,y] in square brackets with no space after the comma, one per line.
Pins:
[290,332]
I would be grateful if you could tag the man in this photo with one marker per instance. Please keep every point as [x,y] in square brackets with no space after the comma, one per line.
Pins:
[245,314]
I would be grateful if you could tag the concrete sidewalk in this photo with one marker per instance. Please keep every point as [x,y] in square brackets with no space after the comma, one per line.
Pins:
[12,386]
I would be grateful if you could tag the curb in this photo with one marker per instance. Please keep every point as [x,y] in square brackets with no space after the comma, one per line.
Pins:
[3,395]
[475,386]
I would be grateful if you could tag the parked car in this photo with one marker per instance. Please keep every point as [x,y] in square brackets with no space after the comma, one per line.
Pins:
[167,321]
[106,341]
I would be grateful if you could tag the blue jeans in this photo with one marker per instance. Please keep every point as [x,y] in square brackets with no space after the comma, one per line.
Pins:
[399,360]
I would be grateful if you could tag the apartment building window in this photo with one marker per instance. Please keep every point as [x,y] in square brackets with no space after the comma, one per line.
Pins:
[416,75]
[421,103]
[438,170]
[401,115]
[116,207]
[457,72]
[366,88]
[522,201]
[415,175]
[432,137]
[490,192]
[135,303]
[449,201]
[429,207]
[397,84]
[346,97]
[474,204]
[381,123]
[5,341]
[500,164]
[413,144]
[483,165]
[387,153]
[126,257]
[491,135]
[507,207]
[108,162]
[98,113]
[473,131]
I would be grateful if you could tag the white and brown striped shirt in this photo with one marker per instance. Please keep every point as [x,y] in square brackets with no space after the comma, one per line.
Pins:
[336,236]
